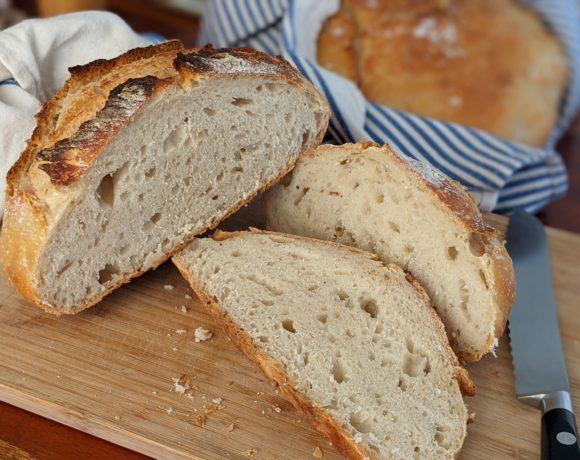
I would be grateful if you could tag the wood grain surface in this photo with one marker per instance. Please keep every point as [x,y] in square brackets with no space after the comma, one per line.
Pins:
[108,371]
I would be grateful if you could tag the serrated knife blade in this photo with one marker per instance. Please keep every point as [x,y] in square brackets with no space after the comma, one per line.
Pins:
[538,359]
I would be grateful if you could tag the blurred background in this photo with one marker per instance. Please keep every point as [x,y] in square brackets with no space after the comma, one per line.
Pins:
[170,18]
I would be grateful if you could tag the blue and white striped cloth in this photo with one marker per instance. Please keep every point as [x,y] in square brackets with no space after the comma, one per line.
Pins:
[502,175]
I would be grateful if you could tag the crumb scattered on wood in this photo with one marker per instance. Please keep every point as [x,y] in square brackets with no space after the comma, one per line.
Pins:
[277,409]
[217,401]
[184,309]
[169,287]
[173,349]
[231,427]
[471,417]
[200,420]
[202,334]
[180,331]
[181,384]
[169,410]
[187,296]
[317,452]
[251,453]
[117,417]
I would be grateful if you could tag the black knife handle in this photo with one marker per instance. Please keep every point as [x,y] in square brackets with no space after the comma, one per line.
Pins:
[559,436]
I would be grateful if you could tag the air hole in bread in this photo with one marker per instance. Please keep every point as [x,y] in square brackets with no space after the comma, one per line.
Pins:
[354,398]
[342,295]
[360,423]
[338,231]
[380,197]
[313,287]
[238,154]
[271,86]
[370,306]
[452,253]
[394,227]
[339,371]
[408,248]
[415,365]
[355,185]
[251,114]
[64,268]
[306,138]
[476,244]
[143,150]
[331,338]
[372,356]
[305,358]
[105,192]
[236,253]
[349,333]
[151,172]
[215,197]
[267,302]
[301,195]
[402,384]
[288,325]
[483,278]
[238,169]
[155,218]
[263,339]
[322,317]
[242,101]
[209,111]
[318,117]
[220,177]
[259,88]
[108,273]
[216,270]
[124,250]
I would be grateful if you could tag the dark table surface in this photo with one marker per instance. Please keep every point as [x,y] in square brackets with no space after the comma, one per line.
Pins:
[26,435]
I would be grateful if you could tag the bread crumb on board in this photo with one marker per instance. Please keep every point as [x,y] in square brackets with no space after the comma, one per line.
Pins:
[183,309]
[169,287]
[181,384]
[231,427]
[187,296]
[200,420]
[181,331]
[317,453]
[202,334]
[251,453]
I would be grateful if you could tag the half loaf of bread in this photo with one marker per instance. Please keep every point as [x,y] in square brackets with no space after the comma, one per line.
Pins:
[137,155]
[353,343]
[410,214]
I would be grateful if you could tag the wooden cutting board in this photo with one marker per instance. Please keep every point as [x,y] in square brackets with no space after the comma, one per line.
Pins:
[108,371]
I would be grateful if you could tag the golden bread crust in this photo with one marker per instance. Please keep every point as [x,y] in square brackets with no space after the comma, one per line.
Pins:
[488,64]
[275,371]
[43,181]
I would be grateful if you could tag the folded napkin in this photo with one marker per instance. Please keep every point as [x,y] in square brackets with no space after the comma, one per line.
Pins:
[502,175]
[34,59]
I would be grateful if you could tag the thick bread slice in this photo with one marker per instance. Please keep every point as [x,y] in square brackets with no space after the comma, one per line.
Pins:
[137,155]
[407,213]
[353,343]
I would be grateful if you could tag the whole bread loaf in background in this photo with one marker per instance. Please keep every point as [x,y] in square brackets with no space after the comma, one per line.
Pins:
[488,64]
[353,343]
[136,155]
[407,213]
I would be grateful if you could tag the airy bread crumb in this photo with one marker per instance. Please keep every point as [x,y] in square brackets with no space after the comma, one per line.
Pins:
[317,452]
[202,334]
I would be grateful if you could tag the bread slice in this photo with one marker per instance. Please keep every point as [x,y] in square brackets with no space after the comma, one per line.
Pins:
[407,213]
[136,155]
[353,343]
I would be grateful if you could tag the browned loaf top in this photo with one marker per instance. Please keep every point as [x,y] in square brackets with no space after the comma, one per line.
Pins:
[489,64]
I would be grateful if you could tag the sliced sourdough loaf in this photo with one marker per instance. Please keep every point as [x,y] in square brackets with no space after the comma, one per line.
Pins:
[136,155]
[407,213]
[353,343]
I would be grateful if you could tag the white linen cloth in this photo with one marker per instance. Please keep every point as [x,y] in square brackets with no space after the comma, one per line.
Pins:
[34,59]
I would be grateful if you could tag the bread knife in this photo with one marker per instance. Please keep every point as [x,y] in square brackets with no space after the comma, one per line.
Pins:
[538,360]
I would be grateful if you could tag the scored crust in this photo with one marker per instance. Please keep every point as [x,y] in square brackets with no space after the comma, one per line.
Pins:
[41,184]
[462,208]
[275,371]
